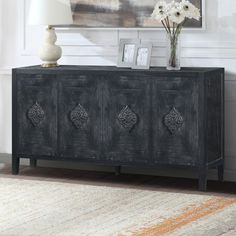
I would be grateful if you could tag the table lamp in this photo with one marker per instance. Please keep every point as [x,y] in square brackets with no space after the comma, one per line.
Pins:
[50,13]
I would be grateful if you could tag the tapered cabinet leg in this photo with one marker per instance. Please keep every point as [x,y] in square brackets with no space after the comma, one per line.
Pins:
[33,163]
[15,165]
[221,172]
[117,170]
[202,181]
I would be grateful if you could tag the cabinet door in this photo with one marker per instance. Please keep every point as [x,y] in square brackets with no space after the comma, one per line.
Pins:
[126,119]
[175,121]
[79,117]
[36,115]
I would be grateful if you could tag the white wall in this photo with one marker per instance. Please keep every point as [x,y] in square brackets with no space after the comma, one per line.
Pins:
[215,46]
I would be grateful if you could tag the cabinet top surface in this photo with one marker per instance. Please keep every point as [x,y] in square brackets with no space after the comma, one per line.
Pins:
[70,68]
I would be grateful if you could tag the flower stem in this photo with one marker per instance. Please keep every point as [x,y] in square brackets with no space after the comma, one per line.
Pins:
[173,40]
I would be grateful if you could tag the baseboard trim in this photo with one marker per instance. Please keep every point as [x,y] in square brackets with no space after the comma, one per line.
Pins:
[5,158]
[230,175]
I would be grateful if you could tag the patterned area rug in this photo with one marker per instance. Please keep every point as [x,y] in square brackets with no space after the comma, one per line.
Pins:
[48,207]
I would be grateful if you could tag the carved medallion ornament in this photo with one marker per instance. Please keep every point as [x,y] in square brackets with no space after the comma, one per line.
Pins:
[173,120]
[36,114]
[79,116]
[127,118]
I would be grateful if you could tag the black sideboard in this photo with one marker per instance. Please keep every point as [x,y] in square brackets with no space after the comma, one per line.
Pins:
[120,117]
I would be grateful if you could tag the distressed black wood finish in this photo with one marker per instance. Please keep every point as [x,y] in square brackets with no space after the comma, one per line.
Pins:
[120,117]
[37,115]
[175,121]
[126,106]
[79,118]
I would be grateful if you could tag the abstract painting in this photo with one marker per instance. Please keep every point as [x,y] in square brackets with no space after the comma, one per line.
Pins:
[120,14]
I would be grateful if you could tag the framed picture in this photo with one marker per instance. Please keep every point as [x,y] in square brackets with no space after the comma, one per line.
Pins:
[127,49]
[123,14]
[142,58]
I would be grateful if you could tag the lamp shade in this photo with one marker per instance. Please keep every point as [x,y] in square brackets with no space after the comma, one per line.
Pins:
[50,12]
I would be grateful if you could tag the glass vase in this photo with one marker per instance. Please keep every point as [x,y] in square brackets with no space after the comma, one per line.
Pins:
[173,52]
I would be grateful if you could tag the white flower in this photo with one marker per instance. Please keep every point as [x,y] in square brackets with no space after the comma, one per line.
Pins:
[190,10]
[173,5]
[177,16]
[160,11]
[161,5]
[196,14]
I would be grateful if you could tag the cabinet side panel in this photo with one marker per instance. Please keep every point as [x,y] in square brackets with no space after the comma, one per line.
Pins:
[14,112]
[215,114]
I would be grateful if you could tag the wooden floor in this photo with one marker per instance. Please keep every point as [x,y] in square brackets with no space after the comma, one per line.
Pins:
[137,181]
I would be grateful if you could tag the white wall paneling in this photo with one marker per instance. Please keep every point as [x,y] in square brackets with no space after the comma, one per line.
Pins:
[5,112]
[214,46]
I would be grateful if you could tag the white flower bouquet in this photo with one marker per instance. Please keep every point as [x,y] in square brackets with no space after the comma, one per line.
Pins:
[173,15]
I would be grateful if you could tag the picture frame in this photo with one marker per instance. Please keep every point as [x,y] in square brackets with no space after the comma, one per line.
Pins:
[124,14]
[142,58]
[127,50]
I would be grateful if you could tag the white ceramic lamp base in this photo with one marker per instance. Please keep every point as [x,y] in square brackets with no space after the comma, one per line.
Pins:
[50,53]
